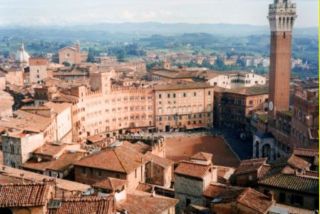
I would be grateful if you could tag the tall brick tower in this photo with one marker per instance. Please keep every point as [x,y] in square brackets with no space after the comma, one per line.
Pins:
[282,14]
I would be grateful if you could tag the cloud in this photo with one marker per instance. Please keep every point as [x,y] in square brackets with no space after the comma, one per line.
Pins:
[39,12]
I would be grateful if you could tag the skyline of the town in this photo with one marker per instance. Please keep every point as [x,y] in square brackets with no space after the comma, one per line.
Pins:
[44,13]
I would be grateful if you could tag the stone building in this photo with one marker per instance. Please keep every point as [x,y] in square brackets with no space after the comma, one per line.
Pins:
[192,178]
[6,104]
[31,127]
[282,15]
[232,80]
[22,198]
[173,109]
[233,108]
[232,200]
[228,80]
[17,147]
[63,188]
[159,170]
[72,55]
[2,81]
[293,189]
[250,171]
[305,118]
[54,160]
[60,116]
[120,162]
[15,76]
[38,69]
[109,108]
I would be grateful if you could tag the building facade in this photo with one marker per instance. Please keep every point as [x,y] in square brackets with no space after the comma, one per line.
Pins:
[282,14]
[38,69]
[72,55]
[174,109]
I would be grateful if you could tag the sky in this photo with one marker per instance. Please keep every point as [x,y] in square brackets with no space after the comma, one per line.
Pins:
[71,12]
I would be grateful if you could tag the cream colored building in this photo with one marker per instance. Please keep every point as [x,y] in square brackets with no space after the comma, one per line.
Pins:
[2,81]
[5,104]
[38,69]
[15,76]
[183,106]
[108,108]
[17,147]
[235,79]
[72,55]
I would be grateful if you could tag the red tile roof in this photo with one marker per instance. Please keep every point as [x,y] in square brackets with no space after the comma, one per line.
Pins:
[298,163]
[203,156]
[110,184]
[220,190]
[306,152]
[24,195]
[118,159]
[255,200]
[191,169]
[60,164]
[82,205]
[164,162]
[144,187]
[251,165]
[146,204]
[138,146]
[49,149]
[38,61]
[298,183]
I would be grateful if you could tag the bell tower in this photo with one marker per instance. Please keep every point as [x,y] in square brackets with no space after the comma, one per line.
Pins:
[282,14]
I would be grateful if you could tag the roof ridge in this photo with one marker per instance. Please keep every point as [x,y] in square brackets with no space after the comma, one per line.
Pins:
[114,150]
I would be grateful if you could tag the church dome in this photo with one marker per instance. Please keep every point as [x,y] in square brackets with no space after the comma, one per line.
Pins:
[22,56]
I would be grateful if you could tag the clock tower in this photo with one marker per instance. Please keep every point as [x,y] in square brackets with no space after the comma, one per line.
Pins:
[282,14]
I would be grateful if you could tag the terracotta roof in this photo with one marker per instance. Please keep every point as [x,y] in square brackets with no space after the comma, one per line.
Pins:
[202,156]
[14,173]
[250,91]
[191,169]
[222,193]
[138,146]
[58,107]
[181,86]
[251,165]
[146,204]
[118,159]
[26,121]
[292,182]
[255,200]
[164,162]
[312,174]
[38,61]
[96,138]
[49,149]
[144,187]
[298,163]
[110,184]
[81,205]
[306,152]
[215,190]
[24,195]
[174,74]
[65,98]
[60,164]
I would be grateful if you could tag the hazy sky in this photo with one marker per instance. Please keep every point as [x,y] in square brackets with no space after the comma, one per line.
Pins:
[48,12]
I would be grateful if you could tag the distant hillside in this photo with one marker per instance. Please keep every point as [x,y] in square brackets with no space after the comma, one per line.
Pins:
[127,31]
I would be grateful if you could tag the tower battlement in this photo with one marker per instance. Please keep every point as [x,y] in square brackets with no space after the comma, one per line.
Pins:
[282,14]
